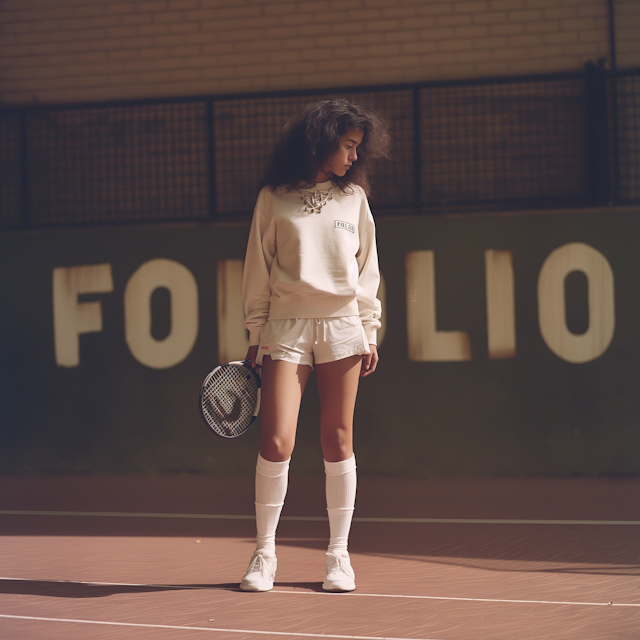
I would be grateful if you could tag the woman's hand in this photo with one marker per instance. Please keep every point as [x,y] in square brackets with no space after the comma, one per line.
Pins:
[369,361]
[251,355]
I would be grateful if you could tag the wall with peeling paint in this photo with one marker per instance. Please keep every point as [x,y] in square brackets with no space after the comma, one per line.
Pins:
[511,346]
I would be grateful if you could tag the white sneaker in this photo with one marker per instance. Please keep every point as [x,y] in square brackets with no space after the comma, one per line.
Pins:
[260,573]
[340,575]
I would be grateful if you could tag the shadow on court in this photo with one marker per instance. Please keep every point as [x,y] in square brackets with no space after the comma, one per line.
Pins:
[69,589]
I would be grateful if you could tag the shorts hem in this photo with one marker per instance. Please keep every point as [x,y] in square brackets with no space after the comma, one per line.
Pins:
[286,357]
[334,357]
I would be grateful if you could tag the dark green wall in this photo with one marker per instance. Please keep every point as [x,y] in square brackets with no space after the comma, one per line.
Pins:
[534,413]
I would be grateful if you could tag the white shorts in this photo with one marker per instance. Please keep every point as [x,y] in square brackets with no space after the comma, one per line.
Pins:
[312,340]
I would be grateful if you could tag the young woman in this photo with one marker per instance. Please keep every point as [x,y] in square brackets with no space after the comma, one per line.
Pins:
[309,291]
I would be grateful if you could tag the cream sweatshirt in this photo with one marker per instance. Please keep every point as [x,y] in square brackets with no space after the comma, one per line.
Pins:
[320,262]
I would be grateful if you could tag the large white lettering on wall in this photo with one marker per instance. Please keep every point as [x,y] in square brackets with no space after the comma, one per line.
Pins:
[501,308]
[426,343]
[183,289]
[70,317]
[591,344]
[73,316]
[233,341]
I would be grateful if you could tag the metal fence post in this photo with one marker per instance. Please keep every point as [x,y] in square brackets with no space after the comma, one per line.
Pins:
[24,171]
[417,174]
[598,185]
[211,143]
[613,66]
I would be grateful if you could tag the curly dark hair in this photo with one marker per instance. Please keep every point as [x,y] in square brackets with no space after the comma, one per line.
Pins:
[313,136]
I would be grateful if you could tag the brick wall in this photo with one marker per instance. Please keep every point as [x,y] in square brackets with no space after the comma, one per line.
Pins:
[79,50]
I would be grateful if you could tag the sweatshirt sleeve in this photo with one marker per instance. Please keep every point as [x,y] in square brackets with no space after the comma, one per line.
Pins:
[256,287]
[369,275]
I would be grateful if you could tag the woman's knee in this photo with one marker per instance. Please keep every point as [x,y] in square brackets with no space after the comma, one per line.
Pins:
[337,453]
[276,449]
[337,445]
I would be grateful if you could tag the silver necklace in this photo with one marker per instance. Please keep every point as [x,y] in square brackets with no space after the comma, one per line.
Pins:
[315,200]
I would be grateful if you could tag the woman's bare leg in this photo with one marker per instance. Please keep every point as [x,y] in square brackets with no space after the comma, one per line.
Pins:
[338,388]
[282,386]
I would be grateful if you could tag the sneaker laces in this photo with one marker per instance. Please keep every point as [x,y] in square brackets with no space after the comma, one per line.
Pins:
[258,564]
[339,564]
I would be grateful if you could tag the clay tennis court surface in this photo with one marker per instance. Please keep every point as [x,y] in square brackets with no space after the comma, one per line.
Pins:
[454,559]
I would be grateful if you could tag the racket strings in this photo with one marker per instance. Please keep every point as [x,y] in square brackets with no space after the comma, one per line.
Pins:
[229,398]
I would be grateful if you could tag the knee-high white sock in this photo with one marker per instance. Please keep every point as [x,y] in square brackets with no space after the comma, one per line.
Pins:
[341,499]
[271,489]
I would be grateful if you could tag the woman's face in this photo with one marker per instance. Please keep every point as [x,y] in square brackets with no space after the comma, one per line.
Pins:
[340,162]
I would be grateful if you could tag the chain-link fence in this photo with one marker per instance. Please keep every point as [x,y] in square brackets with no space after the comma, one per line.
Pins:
[519,142]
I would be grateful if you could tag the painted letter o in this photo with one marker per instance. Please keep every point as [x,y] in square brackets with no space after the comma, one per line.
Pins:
[183,289]
[594,342]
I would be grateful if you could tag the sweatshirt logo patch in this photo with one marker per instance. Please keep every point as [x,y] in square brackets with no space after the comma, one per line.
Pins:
[345,225]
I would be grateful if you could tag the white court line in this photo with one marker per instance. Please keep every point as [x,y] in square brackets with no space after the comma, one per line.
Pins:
[219,630]
[386,595]
[215,516]
[323,593]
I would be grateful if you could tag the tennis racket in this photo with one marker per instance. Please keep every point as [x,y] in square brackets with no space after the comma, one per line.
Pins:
[230,398]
